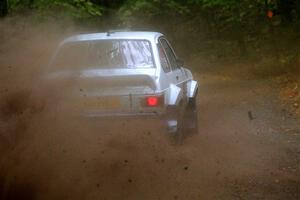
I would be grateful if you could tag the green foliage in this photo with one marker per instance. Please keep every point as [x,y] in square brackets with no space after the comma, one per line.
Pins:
[234,25]
[75,8]
[148,10]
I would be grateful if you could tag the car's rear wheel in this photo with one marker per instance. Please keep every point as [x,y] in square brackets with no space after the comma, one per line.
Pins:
[191,118]
[175,120]
[185,120]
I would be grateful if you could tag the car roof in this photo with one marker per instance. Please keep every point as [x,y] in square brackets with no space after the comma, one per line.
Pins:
[138,35]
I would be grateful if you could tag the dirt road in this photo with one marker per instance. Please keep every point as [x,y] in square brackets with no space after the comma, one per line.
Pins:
[248,147]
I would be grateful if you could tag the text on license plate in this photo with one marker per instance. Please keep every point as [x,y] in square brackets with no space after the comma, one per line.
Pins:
[101,103]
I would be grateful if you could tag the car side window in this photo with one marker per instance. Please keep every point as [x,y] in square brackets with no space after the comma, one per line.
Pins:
[163,59]
[170,54]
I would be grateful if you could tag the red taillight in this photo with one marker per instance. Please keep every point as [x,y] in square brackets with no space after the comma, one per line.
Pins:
[152,101]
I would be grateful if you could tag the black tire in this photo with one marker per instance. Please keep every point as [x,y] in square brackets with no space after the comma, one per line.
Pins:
[187,119]
[192,102]
[191,116]
[191,120]
[177,113]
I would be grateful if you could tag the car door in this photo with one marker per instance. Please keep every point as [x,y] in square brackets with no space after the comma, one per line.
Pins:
[176,74]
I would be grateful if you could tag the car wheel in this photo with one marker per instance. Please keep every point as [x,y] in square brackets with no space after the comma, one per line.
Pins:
[185,120]
[191,116]
[191,120]
[175,120]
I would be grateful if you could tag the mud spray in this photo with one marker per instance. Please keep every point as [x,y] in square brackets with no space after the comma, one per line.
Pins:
[49,154]
[46,154]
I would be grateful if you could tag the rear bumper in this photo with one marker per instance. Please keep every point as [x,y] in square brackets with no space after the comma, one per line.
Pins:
[130,115]
[169,123]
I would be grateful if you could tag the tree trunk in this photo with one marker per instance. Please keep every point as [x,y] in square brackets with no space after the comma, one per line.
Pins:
[3,8]
[286,8]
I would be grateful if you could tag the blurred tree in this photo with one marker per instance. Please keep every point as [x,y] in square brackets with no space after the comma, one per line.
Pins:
[109,3]
[3,8]
[286,8]
[76,8]
[235,23]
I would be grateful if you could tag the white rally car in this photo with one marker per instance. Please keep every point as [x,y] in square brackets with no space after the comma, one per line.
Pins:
[127,74]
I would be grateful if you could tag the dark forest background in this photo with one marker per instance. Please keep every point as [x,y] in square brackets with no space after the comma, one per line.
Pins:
[237,30]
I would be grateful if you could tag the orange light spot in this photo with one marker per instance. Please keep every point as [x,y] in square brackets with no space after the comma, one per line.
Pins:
[270,14]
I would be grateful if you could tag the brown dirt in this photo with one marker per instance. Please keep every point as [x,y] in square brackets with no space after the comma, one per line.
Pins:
[290,89]
[247,146]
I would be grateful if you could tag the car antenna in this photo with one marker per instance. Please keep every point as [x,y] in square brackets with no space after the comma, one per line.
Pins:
[109,33]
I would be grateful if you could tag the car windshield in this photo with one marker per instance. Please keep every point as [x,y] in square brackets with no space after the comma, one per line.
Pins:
[104,54]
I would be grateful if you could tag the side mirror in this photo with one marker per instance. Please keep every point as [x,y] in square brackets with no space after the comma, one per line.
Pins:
[180,62]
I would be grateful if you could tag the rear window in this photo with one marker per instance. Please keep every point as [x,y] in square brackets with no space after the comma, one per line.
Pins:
[104,54]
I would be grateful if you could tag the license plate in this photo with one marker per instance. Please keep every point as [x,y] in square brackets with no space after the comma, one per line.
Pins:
[103,103]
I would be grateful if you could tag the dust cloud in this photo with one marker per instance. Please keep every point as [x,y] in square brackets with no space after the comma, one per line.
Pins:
[48,153]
